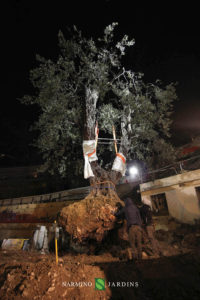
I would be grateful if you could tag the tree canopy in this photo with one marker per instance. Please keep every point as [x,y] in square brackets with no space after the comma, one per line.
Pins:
[141,112]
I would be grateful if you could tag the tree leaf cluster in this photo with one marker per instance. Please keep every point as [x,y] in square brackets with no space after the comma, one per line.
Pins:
[141,112]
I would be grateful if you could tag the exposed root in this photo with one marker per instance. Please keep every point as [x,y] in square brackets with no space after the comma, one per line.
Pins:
[91,218]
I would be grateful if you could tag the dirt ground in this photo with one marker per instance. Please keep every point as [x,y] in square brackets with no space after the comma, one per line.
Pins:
[175,275]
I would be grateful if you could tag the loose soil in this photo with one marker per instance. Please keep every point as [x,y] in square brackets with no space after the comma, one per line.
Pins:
[175,275]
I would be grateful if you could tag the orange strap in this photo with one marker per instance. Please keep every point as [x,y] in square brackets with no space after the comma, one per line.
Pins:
[90,154]
[122,158]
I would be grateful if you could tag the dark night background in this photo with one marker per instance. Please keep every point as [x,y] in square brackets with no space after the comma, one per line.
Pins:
[167,47]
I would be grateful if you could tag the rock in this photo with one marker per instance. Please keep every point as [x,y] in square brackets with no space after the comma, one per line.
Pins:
[165,252]
[60,260]
[25,293]
[144,255]
[10,277]
[51,289]
[21,288]
[64,294]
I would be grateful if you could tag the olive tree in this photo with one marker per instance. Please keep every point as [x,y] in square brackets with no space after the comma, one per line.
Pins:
[87,91]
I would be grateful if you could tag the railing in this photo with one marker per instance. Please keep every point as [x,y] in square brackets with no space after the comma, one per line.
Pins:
[80,193]
[68,195]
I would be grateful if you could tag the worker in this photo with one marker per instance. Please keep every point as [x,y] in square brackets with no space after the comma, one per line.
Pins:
[148,225]
[132,215]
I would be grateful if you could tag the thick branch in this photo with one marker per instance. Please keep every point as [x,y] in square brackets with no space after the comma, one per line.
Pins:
[89,134]
[90,113]
[126,131]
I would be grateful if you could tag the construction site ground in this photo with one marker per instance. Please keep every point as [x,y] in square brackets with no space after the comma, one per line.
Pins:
[174,275]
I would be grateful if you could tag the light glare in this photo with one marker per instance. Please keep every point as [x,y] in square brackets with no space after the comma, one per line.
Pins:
[133,171]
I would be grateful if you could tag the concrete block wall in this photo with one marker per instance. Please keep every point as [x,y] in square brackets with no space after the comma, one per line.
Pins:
[180,190]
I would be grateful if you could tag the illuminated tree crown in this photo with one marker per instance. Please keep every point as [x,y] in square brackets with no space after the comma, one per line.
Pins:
[139,111]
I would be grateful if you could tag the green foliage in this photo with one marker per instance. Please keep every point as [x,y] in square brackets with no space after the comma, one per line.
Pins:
[140,112]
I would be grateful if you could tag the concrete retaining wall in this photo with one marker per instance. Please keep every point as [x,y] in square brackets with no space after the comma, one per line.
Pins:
[181,195]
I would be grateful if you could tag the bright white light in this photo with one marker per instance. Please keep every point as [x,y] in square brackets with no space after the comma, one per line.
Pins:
[133,171]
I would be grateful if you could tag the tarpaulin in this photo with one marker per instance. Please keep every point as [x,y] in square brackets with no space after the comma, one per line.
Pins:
[119,164]
[12,244]
[89,151]
[39,237]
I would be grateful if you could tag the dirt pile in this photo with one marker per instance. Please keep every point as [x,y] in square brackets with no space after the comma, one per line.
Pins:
[38,277]
[183,240]
[175,275]
[32,276]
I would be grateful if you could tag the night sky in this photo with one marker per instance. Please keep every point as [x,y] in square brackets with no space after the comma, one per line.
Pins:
[167,47]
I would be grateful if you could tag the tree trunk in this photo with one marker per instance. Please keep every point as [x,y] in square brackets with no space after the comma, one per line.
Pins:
[92,218]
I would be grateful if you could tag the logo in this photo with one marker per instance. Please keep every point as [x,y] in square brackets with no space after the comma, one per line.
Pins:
[99,284]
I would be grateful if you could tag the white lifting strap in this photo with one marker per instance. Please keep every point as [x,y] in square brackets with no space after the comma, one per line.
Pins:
[89,152]
[119,164]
